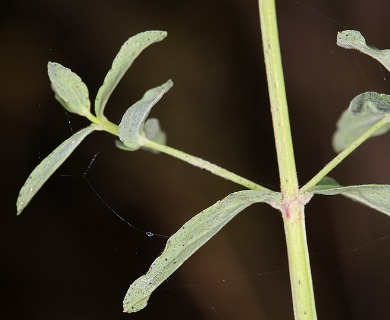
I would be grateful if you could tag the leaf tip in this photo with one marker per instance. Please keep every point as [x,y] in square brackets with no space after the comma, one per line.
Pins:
[19,208]
[350,39]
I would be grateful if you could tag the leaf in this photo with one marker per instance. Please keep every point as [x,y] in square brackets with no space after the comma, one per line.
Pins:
[153,131]
[69,89]
[48,166]
[376,196]
[124,59]
[185,242]
[370,102]
[131,127]
[364,111]
[352,39]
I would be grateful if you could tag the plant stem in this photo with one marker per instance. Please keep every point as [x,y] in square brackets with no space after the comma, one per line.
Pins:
[342,155]
[293,206]
[299,264]
[277,95]
[203,164]
[195,161]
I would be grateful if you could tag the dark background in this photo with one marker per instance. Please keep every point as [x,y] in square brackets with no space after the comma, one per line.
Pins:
[69,257]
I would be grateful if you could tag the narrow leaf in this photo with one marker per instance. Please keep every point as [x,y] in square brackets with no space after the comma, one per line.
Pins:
[375,196]
[131,127]
[364,111]
[48,166]
[124,59]
[69,89]
[185,242]
[352,39]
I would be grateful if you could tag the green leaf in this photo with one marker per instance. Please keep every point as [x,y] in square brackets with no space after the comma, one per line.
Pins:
[352,39]
[364,111]
[48,166]
[153,131]
[185,242]
[370,102]
[124,59]
[375,196]
[131,127]
[69,89]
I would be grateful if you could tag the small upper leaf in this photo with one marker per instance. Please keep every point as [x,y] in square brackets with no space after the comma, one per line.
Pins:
[185,242]
[352,39]
[132,125]
[69,89]
[364,111]
[124,59]
[48,166]
[376,196]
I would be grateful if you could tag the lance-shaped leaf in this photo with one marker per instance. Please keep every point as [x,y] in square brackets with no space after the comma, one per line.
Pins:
[131,127]
[352,39]
[124,59]
[364,111]
[48,166]
[376,196]
[190,237]
[69,89]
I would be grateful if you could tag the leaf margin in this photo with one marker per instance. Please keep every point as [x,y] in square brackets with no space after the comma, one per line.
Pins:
[127,54]
[363,194]
[140,290]
[47,167]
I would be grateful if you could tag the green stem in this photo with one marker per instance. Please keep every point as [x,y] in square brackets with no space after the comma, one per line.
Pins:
[203,164]
[197,162]
[109,126]
[299,264]
[342,155]
[278,100]
[293,204]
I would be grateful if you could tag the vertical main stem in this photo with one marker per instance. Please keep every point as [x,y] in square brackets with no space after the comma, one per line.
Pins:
[298,261]
[293,206]
[277,94]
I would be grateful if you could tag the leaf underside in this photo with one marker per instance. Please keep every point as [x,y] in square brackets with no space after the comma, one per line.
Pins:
[124,59]
[48,166]
[364,111]
[132,125]
[352,39]
[375,196]
[187,240]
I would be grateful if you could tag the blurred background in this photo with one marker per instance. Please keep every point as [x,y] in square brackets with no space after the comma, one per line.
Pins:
[69,257]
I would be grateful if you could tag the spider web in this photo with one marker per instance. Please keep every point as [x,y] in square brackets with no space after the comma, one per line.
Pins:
[199,286]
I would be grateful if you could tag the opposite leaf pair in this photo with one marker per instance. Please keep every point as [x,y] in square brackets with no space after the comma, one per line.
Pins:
[136,131]
[73,95]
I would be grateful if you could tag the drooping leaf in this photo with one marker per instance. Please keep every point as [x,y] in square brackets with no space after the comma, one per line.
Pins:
[370,102]
[352,39]
[48,166]
[364,111]
[69,89]
[124,59]
[376,196]
[185,242]
[131,127]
